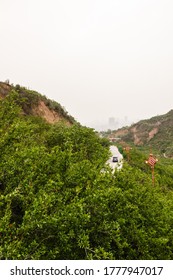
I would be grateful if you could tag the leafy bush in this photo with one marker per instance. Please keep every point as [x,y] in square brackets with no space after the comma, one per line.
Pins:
[55,203]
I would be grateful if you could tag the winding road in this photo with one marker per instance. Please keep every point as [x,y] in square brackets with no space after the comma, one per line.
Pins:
[115,153]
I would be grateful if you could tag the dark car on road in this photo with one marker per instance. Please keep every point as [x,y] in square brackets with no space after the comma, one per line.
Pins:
[115,159]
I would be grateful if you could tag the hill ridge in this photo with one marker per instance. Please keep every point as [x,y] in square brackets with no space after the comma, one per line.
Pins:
[36,104]
[156,132]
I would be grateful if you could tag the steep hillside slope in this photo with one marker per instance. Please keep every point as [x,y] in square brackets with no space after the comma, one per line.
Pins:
[36,104]
[156,132]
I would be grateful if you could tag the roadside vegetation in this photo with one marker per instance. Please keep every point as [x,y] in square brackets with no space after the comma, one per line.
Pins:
[55,203]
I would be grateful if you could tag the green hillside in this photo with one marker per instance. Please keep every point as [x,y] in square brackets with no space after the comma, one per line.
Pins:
[35,104]
[156,133]
[57,203]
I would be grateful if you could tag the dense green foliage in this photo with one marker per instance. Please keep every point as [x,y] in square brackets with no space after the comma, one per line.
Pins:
[57,203]
[163,168]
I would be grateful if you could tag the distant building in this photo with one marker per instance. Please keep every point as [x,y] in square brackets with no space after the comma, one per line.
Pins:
[113,139]
[113,123]
[126,119]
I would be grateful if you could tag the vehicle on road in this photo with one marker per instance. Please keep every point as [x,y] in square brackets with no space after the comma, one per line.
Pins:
[115,159]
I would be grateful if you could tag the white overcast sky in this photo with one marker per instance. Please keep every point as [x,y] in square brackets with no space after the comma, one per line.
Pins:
[97,58]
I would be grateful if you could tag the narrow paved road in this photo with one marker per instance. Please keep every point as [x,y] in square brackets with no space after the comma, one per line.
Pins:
[115,153]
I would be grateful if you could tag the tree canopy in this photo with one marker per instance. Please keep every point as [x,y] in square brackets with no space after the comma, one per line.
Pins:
[57,203]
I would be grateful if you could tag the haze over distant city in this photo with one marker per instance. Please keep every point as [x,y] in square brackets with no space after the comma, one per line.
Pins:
[108,62]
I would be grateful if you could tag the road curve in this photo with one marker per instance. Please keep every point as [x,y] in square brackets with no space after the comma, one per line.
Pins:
[115,152]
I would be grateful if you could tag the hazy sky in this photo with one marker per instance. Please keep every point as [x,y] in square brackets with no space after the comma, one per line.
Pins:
[97,58]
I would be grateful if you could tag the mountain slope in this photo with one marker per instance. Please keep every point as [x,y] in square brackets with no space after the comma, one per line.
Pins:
[156,132]
[35,104]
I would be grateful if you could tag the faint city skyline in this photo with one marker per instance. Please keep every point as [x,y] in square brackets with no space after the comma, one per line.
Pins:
[112,123]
